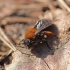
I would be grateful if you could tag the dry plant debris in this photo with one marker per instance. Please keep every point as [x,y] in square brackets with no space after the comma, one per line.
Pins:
[16,16]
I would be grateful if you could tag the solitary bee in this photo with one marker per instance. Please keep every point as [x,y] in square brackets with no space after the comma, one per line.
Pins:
[38,34]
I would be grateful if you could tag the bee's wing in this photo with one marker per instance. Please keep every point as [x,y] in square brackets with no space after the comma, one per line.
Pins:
[41,25]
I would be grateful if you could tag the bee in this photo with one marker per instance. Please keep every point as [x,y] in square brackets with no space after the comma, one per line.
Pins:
[38,34]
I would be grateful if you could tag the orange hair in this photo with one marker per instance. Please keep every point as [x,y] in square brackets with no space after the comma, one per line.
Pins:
[30,33]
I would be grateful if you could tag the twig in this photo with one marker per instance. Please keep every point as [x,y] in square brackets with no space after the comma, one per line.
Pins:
[5,39]
[5,53]
[17,19]
[64,5]
[33,6]
[46,64]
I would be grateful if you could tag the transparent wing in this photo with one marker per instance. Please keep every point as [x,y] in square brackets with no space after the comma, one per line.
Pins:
[41,25]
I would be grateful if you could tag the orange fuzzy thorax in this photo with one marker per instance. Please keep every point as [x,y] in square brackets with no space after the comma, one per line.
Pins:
[30,33]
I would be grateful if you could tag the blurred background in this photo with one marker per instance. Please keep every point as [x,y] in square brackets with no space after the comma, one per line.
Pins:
[16,16]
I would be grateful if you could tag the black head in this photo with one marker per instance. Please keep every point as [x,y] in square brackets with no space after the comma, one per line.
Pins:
[26,42]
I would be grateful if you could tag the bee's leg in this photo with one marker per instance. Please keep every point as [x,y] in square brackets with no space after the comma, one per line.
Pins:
[50,33]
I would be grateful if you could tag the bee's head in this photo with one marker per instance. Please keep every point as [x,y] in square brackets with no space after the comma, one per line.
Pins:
[26,42]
